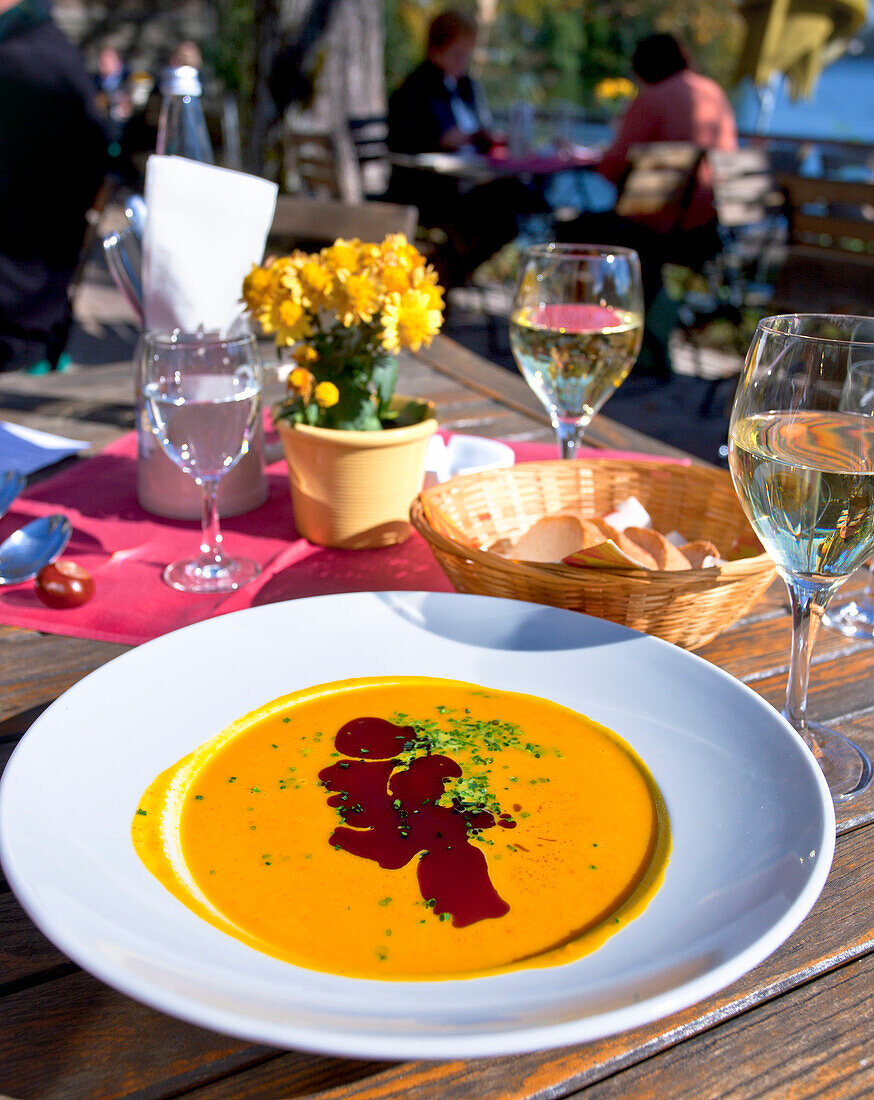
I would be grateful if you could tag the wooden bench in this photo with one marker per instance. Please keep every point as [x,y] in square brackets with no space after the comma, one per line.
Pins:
[312,223]
[829,261]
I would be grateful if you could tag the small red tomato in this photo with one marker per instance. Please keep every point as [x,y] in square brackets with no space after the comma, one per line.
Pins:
[64,584]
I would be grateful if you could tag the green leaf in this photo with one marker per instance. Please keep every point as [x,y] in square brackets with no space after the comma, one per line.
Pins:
[414,412]
[354,412]
[385,377]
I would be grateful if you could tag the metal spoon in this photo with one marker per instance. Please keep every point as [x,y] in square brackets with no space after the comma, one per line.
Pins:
[31,547]
[11,484]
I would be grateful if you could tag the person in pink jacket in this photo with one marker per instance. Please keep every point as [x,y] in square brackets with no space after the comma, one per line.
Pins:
[673,104]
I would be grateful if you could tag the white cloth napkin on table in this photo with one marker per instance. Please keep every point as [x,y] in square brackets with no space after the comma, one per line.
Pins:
[206,226]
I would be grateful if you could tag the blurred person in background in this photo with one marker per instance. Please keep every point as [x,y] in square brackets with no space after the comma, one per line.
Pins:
[186,53]
[113,96]
[673,104]
[440,109]
[53,158]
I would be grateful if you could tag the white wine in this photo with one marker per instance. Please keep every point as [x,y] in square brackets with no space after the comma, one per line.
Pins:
[575,356]
[806,482]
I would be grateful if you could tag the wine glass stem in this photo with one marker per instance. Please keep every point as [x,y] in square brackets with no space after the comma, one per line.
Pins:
[211,534]
[809,601]
[569,432]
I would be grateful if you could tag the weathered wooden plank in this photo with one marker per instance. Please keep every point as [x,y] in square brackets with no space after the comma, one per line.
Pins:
[290,1075]
[76,1039]
[837,687]
[762,649]
[36,668]
[6,750]
[106,382]
[25,954]
[826,1053]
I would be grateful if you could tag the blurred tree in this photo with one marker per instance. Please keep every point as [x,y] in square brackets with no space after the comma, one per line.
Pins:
[320,57]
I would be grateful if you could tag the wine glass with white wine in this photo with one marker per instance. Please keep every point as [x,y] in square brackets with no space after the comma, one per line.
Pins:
[856,617]
[801,453]
[575,329]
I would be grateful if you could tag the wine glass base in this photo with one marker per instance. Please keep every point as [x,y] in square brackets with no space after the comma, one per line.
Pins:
[194,576]
[856,620]
[846,767]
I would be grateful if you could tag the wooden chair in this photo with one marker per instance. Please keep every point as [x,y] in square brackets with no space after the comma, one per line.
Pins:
[370,141]
[829,261]
[321,163]
[313,223]
[748,207]
[659,179]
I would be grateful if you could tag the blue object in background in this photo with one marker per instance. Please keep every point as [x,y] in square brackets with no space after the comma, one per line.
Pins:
[839,109]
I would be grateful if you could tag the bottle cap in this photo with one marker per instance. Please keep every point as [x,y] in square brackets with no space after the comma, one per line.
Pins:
[182,81]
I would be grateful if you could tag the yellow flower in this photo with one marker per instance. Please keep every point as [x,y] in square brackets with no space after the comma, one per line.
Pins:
[315,282]
[395,279]
[304,354]
[341,257]
[256,287]
[425,279]
[291,322]
[615,87]
[410,320]
[368,255]
[327,395]
[397,250]
[285,276]
[356,300]
[434,296]
[301,382]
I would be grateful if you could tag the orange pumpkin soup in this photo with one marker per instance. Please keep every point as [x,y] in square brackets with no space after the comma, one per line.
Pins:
[409,828]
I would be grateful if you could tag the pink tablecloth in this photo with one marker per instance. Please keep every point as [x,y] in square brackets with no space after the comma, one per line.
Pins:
[125,549]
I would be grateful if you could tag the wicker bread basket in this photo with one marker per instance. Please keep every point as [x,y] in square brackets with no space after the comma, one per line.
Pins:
[687,607]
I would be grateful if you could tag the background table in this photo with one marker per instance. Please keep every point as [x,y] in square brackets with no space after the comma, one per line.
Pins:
[801,1024]
[478,168]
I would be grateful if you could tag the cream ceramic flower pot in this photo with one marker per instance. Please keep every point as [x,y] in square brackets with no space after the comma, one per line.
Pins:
[353,490]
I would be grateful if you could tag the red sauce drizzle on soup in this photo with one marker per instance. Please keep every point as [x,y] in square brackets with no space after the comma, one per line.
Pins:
[392,815]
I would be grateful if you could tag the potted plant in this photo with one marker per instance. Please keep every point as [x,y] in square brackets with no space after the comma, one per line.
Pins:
[355,449]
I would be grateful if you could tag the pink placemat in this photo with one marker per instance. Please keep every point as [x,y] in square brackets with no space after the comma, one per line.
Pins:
[125,549]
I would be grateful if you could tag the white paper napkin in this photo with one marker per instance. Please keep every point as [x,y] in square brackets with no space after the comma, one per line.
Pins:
[205,229]
[463,454]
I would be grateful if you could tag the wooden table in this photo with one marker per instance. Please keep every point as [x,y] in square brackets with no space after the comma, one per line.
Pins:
[478,168]
[801,1024]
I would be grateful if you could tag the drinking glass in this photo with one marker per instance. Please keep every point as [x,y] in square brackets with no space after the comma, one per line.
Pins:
[801,453]
[576,329]
[856,618]
[202,395]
